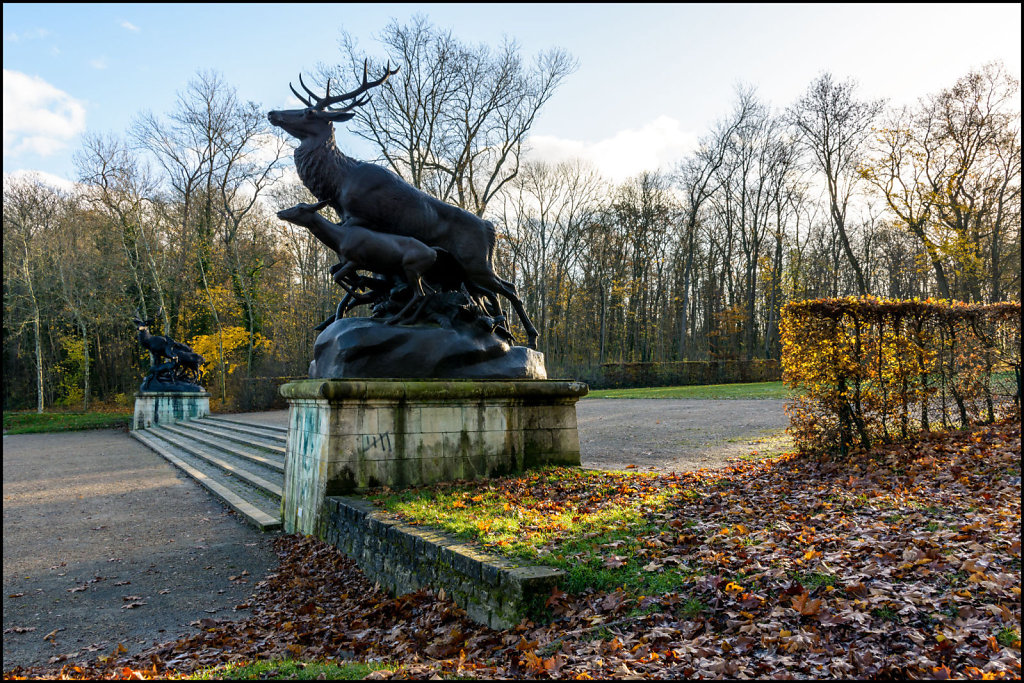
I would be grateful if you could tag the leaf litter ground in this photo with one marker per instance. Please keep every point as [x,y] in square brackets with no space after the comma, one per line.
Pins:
[901,562]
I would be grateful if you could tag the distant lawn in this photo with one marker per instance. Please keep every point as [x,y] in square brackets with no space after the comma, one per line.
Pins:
[707,391]
[34,423]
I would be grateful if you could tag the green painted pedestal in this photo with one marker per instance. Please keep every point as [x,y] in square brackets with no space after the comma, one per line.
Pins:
[167,407]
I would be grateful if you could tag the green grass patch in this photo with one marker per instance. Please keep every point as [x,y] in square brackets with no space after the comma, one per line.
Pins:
[289,669]
[1008,637]
[35,423]
[591,524]
[692,608]
[705,391]
[885,614]
[811,580]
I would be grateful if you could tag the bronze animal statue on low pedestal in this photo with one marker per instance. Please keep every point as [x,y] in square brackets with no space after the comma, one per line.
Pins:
[180,371]
[372,197]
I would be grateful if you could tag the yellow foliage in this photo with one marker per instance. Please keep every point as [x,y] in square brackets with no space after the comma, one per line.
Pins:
[234,340]
[224,301]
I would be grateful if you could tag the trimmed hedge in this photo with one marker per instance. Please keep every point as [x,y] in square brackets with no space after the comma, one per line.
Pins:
[877,370]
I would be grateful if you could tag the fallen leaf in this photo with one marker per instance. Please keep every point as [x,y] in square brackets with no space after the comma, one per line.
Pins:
[805,605]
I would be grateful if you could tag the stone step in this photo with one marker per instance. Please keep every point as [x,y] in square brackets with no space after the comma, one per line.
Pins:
[271,444]
[227,421]
[251,473]
[255,507]
[255,455]
[269,434]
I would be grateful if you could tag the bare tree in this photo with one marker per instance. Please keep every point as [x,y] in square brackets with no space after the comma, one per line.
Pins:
[832,124]
[455,119]
[898,171]
[753,176]
[116,180]
[218,155]
[543,216]
[31,211]
[969,135]
[949,171]
[697,178]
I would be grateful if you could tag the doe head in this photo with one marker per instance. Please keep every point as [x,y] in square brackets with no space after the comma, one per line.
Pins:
[300,211]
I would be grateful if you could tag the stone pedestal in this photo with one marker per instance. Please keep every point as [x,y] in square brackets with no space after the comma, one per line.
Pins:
[167,407]
[351,435]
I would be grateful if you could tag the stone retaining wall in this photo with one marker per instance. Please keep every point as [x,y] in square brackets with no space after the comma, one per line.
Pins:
[494,591]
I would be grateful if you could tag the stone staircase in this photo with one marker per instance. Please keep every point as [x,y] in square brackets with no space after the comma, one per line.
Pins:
[239,462]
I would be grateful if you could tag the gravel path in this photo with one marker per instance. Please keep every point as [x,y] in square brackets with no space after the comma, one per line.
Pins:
[678,435]
[95,522]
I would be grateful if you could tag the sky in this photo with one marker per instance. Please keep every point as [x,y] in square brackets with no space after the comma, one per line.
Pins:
[652,78]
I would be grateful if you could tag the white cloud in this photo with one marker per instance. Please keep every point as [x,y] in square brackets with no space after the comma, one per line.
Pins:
[31,34]
[129,26]
[268,146]
[38,117]
[656,145]
[42,177]
[98,63]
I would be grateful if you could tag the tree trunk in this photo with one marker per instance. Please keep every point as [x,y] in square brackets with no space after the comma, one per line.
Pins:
[39,363]
[86,370]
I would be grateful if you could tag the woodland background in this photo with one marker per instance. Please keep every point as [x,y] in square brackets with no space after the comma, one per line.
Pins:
[827,196]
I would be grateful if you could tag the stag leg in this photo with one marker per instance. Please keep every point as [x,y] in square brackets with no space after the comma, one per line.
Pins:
[414,316]
[508,290]
[398,317]
[481,297]
[341,275]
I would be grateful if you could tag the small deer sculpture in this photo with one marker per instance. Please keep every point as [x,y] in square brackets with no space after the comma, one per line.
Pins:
[369,196]
[182,361]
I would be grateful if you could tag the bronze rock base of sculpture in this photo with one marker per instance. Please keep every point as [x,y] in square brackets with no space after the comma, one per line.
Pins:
[365,347]
[161,384]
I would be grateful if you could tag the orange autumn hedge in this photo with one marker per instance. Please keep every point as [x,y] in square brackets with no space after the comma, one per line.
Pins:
[878,370]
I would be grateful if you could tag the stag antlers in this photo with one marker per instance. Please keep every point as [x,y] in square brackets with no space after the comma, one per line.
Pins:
[320,104]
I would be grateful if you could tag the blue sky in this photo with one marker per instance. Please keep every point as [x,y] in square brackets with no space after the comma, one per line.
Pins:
[652,77]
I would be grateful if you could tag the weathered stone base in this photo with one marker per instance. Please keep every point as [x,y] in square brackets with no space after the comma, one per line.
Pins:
[350,435]
[494,591]
[167,407]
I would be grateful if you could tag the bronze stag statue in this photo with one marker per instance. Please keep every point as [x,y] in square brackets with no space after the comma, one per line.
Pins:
[370,198]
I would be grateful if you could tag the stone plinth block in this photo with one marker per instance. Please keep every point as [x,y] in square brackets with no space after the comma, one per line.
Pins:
[167,407]
[350,435]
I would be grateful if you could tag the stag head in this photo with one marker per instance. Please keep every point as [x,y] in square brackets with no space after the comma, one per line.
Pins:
[317,118]
[148,322]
